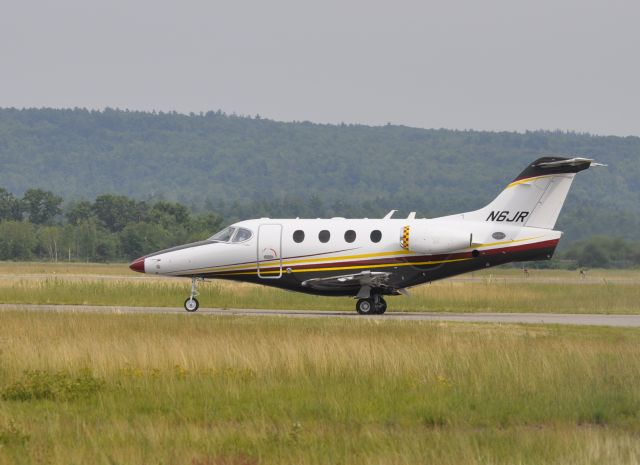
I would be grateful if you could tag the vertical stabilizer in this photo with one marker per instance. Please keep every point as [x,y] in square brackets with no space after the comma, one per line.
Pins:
[536,196]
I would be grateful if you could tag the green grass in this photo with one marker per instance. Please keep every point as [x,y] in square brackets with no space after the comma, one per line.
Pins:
[177,389]
[493,296]
[499,290]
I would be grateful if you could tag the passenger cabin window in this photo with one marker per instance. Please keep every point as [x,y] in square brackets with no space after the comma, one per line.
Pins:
[242,235]
[324,236]
[376,235]
[350,236]
[298,236]
[224,235]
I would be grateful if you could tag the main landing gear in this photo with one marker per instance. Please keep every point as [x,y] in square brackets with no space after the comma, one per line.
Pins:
[374,305]
[192,304]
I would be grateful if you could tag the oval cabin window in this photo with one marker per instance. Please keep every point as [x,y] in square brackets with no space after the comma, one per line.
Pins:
[498,235]
[350,236]
[298,236]
[324,236]
[376,236]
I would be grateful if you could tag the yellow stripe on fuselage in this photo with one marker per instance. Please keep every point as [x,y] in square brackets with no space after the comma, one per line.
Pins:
[286,262]
[491,244]
[243,269]
[340,268]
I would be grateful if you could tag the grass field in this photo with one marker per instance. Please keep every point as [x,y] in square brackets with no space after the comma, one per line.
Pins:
[495,290]
[172,389]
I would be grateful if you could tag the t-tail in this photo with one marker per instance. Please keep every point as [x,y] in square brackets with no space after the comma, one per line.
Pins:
[534,198]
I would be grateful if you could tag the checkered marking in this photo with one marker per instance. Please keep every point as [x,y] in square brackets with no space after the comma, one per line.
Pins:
[404,240]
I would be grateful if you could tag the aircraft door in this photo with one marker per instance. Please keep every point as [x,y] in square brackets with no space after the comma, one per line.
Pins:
[269,250]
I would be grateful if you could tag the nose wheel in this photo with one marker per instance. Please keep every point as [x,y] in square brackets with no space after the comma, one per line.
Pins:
[192,304]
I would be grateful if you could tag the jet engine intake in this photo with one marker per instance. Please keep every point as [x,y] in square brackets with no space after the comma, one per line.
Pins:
[428,239]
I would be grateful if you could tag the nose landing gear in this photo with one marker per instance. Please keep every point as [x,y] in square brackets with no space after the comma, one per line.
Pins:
[192,304]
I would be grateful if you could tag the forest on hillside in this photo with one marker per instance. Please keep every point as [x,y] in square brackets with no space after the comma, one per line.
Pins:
[243,167]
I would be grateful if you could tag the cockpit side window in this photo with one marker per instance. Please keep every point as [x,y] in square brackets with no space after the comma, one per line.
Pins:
[224,235]
[242,235]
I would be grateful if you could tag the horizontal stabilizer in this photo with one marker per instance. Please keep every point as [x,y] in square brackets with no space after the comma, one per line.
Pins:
[566,162]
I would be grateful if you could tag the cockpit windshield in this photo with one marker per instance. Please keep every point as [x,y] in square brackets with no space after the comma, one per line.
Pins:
[242,235]
[224,235]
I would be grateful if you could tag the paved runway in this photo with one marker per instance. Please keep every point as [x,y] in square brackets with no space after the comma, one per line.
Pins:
[532,318]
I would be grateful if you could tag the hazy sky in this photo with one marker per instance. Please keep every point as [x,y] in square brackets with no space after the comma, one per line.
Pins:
[492,64]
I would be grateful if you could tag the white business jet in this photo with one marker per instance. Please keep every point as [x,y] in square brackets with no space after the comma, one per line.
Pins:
[372,258]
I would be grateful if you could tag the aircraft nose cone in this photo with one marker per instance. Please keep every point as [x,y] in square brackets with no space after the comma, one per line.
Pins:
[138,265]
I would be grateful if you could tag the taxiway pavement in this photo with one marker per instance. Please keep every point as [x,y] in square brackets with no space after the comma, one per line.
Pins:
[511,318]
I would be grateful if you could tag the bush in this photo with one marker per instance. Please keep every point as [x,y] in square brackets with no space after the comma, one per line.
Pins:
[17,240]
[37,385]
[11,435]
[604,252]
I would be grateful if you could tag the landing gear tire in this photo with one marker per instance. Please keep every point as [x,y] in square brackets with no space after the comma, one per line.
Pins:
[365,307]
[380,306]
[372,306]
[191,304]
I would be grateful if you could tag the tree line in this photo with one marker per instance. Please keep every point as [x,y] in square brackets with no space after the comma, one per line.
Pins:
[41,226]
[38,226]
[603,252]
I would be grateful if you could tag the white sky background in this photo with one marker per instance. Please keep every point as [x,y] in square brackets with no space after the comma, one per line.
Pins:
[468,64]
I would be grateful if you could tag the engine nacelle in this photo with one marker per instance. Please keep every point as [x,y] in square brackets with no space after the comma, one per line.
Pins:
[430,239]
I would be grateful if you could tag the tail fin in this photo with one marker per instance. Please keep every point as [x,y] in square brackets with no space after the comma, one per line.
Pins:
[536,196]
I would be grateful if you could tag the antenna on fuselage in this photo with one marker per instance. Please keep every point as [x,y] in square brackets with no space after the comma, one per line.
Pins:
[389,215]
[412,216]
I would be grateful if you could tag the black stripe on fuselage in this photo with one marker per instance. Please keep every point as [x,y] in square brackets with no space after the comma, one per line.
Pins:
[401,276]
[401,260]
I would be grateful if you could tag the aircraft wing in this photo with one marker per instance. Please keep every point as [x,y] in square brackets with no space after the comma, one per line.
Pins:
[365,280]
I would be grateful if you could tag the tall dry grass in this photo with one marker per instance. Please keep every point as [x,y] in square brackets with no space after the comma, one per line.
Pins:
[216,390]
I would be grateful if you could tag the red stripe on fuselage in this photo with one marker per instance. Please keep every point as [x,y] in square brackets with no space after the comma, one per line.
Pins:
[419,258]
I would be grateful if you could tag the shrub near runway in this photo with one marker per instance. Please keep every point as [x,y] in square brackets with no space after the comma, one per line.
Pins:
[193,389]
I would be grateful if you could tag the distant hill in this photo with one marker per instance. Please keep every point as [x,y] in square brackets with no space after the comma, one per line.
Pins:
[251,166]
